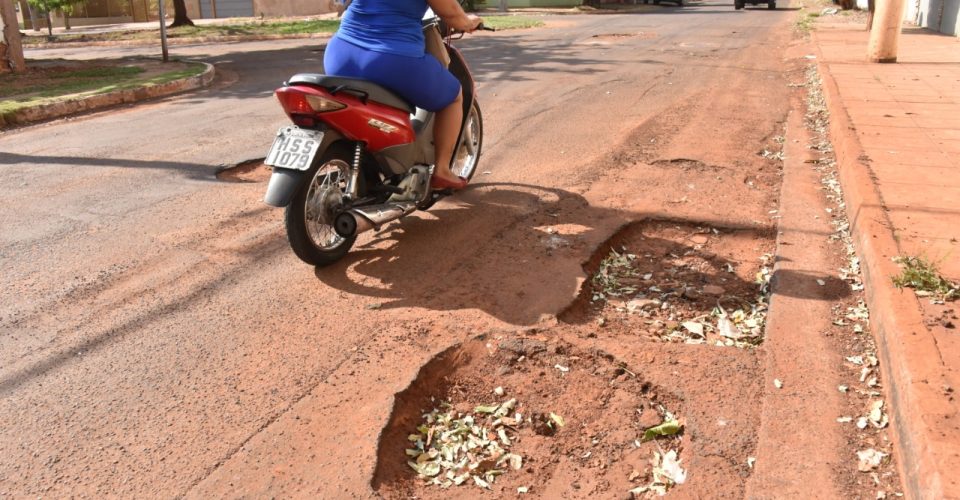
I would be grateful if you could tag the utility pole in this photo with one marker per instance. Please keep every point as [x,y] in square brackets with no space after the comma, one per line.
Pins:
[885,32]
[163,32]
[11,37]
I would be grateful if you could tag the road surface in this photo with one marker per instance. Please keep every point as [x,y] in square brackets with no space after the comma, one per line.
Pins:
[159,338]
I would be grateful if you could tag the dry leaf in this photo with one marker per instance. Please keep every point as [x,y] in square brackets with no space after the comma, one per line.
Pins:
[869,459]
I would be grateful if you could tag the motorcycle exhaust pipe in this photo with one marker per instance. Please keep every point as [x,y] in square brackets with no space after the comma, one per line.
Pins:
[358,220]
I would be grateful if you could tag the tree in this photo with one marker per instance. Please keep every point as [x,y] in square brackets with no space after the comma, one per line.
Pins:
[180,14]
[48,6]
[10,44]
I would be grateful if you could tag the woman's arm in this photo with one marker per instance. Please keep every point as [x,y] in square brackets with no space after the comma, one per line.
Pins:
[452,14]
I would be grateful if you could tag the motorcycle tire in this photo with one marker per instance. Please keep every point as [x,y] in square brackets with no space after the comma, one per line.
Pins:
[471,145]
[326,181]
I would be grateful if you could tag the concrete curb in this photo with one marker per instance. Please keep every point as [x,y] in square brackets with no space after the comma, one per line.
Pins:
[178,41]
[83,104]
[909,355]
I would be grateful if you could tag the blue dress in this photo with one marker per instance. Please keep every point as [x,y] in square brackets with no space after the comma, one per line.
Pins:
[382,41]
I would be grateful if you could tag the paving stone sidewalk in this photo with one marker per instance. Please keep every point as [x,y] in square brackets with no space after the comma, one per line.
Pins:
[896,130]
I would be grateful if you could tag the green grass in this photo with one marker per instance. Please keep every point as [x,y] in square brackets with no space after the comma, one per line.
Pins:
[88,81]
[67,82]
[805,20]
[924,277]
[511,22]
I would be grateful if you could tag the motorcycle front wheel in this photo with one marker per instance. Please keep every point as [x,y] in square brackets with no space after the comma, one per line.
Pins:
[467,156]
[309,217]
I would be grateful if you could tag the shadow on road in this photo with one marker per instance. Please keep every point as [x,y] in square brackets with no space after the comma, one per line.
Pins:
[194,171]
[260,72]
[516,275]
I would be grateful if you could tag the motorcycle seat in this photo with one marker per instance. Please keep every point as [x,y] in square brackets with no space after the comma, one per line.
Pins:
[355,85]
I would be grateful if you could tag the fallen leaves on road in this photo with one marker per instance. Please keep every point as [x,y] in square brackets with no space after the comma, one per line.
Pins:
[877,417]
[869,459]
[667,428]
[610,278]
[669,299]
[667,472]
[853,315]
[451,450]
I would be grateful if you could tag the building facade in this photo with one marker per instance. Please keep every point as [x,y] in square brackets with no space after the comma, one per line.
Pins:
[939,15]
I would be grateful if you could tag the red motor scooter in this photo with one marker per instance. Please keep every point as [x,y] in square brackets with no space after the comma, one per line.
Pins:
[358,156]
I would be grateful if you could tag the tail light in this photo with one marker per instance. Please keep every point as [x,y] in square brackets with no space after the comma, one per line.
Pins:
[300,102]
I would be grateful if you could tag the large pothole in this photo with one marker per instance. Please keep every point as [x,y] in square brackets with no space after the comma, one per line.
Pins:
[248,171]
[678,282]
[582,417]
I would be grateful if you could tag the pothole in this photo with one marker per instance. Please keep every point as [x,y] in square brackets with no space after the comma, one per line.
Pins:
[575,424]
[606,38]
[248,171]
[678,282]
[688,165]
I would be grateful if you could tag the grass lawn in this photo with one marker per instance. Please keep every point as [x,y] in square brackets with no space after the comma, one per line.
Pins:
[49,81]
[252,29]
[511,22]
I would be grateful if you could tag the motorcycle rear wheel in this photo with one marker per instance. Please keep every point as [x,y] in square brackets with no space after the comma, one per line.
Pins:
[309,217]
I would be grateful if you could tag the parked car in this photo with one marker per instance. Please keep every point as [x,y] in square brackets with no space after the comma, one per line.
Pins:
[739,4]
[657,2]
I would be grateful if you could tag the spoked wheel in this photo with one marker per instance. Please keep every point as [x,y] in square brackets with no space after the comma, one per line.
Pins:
[468,154]
[309,217]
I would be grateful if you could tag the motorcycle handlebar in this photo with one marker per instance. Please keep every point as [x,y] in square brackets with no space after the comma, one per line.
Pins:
[456,32]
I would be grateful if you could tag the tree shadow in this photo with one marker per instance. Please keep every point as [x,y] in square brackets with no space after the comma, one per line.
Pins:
[193,171]
[260,72]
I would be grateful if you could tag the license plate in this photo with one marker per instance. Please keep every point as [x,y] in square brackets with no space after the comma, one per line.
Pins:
[294,148]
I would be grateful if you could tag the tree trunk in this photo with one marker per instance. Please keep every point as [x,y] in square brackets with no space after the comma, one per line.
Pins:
[13,56]
[180,14]
[49,25]
[33,19]
[872,7]
[66,20]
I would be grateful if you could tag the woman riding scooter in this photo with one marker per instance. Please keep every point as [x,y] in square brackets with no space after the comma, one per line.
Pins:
[382,41]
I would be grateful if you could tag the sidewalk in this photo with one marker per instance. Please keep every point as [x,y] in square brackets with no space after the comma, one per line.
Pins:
[896,130]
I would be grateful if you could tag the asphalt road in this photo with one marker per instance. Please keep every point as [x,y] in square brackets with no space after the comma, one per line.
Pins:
[158,337]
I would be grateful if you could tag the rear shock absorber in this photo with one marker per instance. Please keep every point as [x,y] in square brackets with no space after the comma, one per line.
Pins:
[354,172]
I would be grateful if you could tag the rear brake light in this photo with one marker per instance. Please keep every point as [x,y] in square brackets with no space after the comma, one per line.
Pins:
[296,102]
[321,104]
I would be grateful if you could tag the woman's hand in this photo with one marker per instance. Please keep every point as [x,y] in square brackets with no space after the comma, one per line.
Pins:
[473,22]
